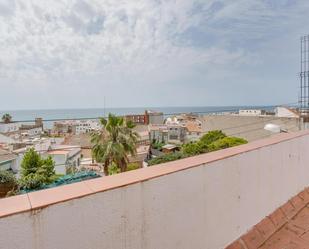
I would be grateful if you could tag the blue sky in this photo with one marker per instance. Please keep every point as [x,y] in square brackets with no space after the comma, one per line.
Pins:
[72,53]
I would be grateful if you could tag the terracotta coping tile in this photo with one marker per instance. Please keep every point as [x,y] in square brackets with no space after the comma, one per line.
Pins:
[266,227]
[288,210]
[253,239]
[67,192]
[297,202]
[236,245]
[288,225]
[43,198]
[14,205]
[304,195]
[278,218]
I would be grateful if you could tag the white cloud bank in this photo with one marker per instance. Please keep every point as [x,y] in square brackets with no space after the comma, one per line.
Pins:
[69,53]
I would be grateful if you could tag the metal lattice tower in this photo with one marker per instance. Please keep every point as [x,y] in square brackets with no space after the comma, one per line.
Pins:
[304,78]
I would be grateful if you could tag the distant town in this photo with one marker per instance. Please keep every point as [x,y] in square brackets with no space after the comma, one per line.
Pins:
[68,142]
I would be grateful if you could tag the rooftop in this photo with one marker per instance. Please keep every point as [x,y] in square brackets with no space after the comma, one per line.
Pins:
[286,228]
[6,156]
[219,196]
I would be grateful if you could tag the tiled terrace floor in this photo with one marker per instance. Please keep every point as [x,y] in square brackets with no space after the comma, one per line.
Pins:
[286,228]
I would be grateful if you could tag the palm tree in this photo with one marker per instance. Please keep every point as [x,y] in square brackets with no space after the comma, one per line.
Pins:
[114,142]
[6,118]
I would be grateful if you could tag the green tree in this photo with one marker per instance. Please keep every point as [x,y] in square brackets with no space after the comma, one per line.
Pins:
[114,142]
[192,149]
[226,142]
[36,171]
[7,118]
[212,136]
[166,158]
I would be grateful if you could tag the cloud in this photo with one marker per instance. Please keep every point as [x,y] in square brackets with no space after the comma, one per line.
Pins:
[138,43]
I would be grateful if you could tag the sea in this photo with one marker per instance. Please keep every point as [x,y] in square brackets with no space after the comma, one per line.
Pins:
[51,115]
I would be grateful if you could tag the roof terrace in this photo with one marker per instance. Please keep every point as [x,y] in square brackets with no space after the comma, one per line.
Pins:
[207,201]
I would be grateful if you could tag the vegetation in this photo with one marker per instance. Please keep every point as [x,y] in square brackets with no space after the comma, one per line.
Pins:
[157,145]
[8,182]
[114,143]
[133,166]
[166,158]
[7,118]
[212,141]
[7,177]
[212,136]
[226,143]
[36,171]
[113,169]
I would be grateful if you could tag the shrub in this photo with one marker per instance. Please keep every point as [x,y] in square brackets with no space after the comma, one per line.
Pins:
[192,149]
[212,136]
[35,171]
[157,145]
[212,141]
[166,158]
[8,183]
[7,177]
[113,169]
[226,143]
[32,181]
[133,166]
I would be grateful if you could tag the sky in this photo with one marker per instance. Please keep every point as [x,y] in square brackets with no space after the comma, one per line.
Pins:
[136,53]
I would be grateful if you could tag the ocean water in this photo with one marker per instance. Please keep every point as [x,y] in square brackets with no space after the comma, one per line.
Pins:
[49,116]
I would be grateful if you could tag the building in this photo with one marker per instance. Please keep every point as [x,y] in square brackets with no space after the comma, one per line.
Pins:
[158,133]
[87,126]
[32,130]
[169,133]
[143,138]
[64,157]
[176,134]
[45,147]
[64,127]
[141,119]
[7,160]
[6,140]
[193,131]
[149,117]
[170,148]
[285,112]
[76,127]
[155,117]
[9,127]
[251,112]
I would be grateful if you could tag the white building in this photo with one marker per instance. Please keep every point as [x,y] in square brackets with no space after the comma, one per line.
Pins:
[9,127]
[251,112]
[285,112]
[86,126]
[7,160]
[65,156]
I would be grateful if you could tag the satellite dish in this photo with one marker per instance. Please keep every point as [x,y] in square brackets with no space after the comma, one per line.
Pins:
[274,128]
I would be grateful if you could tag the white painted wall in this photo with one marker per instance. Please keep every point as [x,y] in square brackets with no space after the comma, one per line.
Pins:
[206,207]
[9,127]
[250,112]
[284,112]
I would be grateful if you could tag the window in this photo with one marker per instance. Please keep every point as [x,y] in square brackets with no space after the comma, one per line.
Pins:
[173,137]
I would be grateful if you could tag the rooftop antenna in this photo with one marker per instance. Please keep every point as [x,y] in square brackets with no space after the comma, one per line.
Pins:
[304,80]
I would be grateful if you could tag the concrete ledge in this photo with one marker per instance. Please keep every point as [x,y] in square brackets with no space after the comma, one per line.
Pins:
[43,198]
